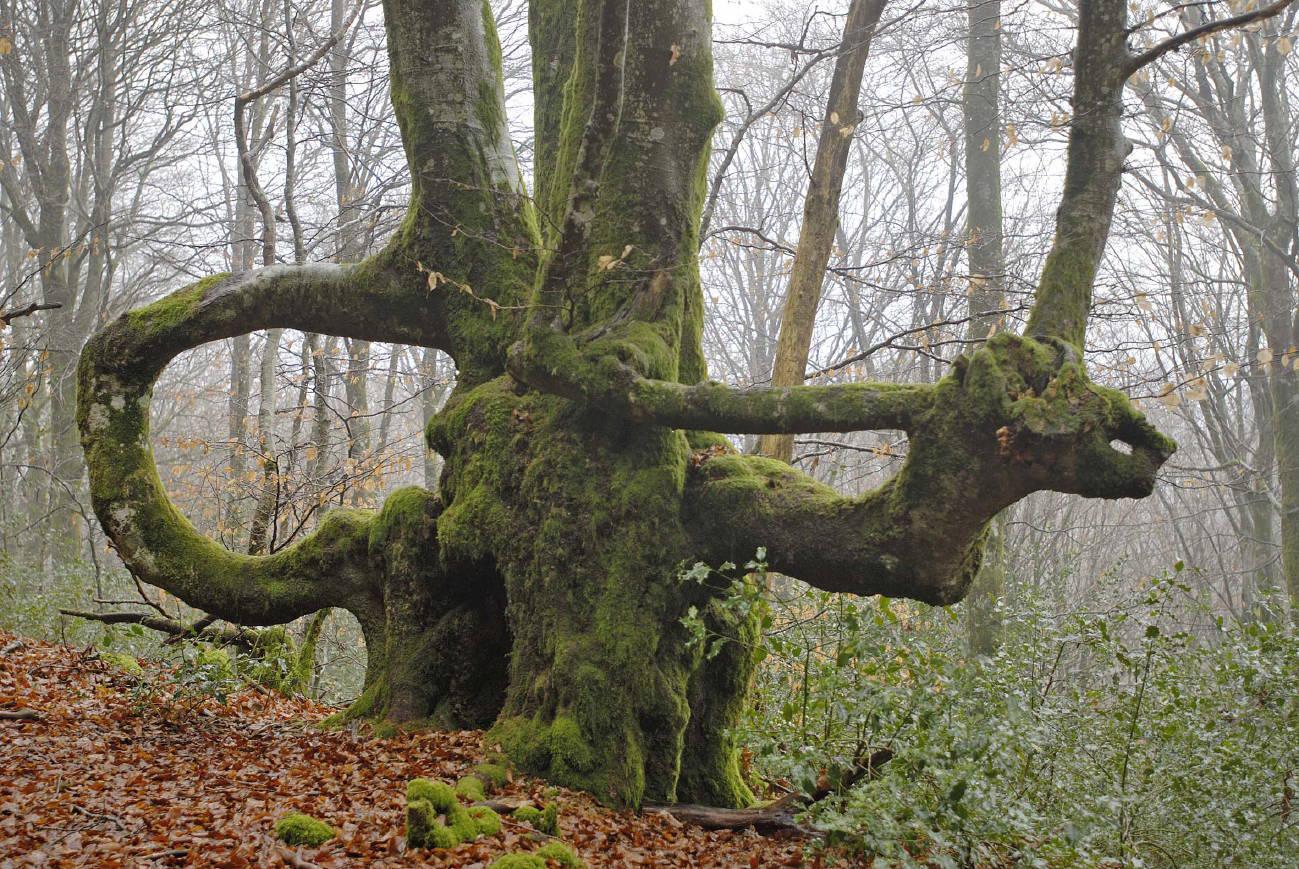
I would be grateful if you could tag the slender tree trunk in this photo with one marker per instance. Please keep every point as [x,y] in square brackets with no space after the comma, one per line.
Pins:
[432,394]
[268,499]
[983,245]
[349,246]
[821,211]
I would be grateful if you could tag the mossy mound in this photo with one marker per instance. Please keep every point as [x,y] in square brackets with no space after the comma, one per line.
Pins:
[495,774]
[471,788]
[555,852]
[489,823]
[484,779]
[543,820]
[436,819]
[124,662]
[296,828]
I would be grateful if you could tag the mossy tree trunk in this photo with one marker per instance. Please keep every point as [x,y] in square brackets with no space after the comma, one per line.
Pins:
[981,113]
[537,591]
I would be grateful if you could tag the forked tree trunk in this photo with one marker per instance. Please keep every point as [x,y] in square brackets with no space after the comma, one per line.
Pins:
[538,590]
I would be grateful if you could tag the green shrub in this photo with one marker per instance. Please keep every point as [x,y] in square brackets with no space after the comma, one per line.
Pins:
[1147,731]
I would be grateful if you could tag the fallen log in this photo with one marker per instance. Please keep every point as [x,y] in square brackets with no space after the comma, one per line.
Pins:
[777,816]
[241,638]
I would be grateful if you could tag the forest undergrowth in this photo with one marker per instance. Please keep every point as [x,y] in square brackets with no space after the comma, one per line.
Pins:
[1143,731]
[117,764]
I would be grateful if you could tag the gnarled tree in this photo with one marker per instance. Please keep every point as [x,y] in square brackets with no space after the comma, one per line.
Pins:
[537,591]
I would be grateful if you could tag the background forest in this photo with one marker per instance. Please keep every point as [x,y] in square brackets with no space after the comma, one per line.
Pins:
[1122,685]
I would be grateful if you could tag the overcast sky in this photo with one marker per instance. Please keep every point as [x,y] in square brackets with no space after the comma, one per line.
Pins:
[733,11]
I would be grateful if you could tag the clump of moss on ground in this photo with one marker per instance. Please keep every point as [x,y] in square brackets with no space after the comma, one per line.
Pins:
[556,852]
[436,819]
[543,820]
[296,828]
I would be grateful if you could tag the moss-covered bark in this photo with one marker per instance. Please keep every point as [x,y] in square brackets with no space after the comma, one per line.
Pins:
[538,592]
[582,515]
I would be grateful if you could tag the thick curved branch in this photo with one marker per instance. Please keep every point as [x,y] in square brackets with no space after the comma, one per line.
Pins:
[785,409]
[115,378]
[1010,421]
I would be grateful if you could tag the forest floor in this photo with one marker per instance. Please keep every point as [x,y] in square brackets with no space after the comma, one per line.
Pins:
[112,770]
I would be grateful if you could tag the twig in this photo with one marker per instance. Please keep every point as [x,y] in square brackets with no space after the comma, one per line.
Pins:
[12,647]
[7,316]
[100,816]
[19,715]
[170,852]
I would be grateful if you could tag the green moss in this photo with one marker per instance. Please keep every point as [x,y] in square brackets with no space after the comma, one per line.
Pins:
[543,820]
[471,788]
[497,775]
[172,313]
[441,795]
[215,660]
[299,829]
[553,853]
[518,861]
[384,730]
[124,662]
[560,853]
[719,690]
[489,823]
[583,519]
[436,819]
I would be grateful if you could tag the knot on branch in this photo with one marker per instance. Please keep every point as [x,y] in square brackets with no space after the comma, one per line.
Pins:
[1039,422]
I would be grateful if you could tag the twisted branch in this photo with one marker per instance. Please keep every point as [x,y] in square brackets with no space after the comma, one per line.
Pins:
[115,378]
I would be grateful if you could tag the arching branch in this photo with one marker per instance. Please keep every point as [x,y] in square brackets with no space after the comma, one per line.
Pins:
[115,380]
